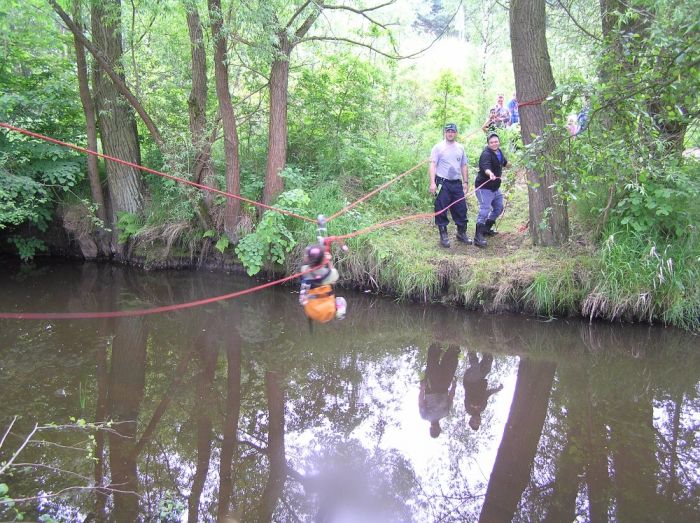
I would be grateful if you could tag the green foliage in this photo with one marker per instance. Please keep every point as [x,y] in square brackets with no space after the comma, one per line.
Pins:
[447,102]
[39,93]
[27,247]
[129,225]
[170,508]
[273,237]
[641,279]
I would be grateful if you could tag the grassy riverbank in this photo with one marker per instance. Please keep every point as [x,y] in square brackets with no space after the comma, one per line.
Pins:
[627,278]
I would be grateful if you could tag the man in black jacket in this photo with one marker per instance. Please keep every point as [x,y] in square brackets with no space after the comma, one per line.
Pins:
[489,195]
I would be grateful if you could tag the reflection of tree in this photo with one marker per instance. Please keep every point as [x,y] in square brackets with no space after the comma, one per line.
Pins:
[275,446]
[207,356]
[126,389]
[229,445]
[516,453]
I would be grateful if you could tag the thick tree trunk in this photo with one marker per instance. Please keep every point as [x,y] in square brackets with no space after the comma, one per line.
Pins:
[197,104]
[115,117]
[111,69]
[516,454]
[228,119]
[277,131]
[549,220]
[90,123]
[279,83]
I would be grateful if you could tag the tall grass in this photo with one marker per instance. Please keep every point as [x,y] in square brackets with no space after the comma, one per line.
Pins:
[641,279]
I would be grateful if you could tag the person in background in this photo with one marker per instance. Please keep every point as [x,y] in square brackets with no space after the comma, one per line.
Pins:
[513,109]
[476,391]
[488,192]
[502,114]
[448,182]
[437,388]
[490,123]
[572,125]
[582,118]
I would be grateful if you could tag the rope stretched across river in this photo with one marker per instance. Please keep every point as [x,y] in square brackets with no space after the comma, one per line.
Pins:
[181,306]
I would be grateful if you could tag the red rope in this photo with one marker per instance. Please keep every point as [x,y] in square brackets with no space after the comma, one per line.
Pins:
[141,312]
[536,101]
[403,219]
[153,171]
[375,191]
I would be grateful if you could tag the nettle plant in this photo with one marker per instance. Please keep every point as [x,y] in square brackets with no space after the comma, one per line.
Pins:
[273,237]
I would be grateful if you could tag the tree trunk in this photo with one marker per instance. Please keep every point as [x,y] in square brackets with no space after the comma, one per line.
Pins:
[197,104]
[516,454]
[90,123]
[228,119]
[277,131]
[279,83]
[549,220]
[115,117]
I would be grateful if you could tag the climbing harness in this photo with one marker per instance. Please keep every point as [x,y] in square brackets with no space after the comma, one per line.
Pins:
[316,295]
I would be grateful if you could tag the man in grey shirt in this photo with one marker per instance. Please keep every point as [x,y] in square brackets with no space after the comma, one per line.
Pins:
[449,182]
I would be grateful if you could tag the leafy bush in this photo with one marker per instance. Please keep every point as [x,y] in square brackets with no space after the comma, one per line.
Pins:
[273,237]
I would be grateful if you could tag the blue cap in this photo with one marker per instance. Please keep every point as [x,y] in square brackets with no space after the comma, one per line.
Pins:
[451,127]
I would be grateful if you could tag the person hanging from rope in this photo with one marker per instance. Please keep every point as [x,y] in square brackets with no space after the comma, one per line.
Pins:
[448,182]
[316,295]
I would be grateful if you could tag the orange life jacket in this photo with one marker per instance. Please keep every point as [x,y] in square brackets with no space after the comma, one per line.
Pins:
[321,304]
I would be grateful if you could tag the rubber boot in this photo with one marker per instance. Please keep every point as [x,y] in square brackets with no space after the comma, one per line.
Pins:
[479,239]
[488,230]
[462,234]
[444,239]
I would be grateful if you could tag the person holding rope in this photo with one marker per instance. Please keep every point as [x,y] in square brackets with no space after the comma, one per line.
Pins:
[488,194]
[448,182]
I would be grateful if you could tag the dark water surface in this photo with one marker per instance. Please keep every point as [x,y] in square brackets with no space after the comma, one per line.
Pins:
[236,408]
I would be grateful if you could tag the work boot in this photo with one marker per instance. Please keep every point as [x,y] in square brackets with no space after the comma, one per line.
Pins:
[462,234]
[488,230]
[444,239]
[479,239]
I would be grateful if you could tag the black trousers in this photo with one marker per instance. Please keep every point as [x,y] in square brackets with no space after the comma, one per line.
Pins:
[448,192]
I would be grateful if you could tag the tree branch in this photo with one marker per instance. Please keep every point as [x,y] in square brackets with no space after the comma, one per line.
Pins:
[361,12]
[297,13]
[118,81]
[571,17]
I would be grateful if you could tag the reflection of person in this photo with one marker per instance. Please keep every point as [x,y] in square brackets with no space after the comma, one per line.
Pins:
[488,193]
[448,182]
[502,114]
[476,391]
[316,294]
[437,388]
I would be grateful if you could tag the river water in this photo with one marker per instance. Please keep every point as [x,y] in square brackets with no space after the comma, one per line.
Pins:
[238,411]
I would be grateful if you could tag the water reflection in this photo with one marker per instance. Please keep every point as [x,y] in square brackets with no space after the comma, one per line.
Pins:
[437,388]
[235,412]
[476,391]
